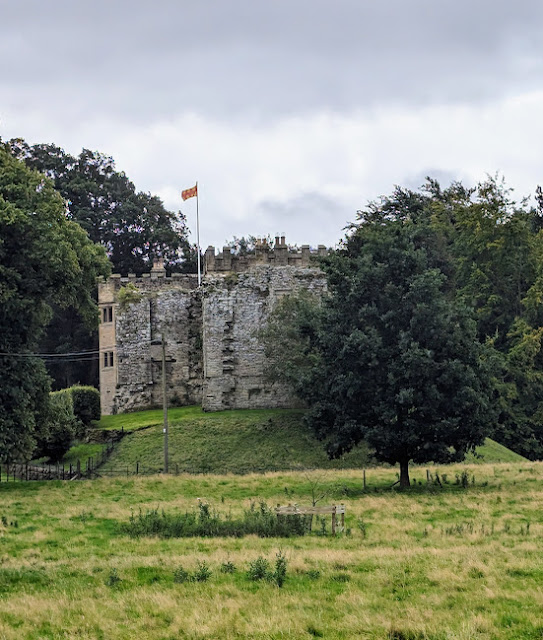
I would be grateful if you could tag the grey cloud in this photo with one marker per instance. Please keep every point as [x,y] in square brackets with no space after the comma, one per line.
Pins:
[445,178]
[258,59]
[310,217]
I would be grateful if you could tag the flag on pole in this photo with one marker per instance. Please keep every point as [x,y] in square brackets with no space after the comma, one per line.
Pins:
[189,193]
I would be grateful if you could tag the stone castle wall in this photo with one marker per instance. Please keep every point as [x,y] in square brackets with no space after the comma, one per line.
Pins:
[213,354]
[235,308]
[169,307]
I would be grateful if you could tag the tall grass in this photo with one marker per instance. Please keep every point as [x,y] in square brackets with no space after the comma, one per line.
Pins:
[436,562]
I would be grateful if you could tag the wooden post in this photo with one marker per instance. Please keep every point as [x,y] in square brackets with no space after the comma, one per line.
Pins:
[428,476]
[364,479]
[78,468]
[343,520]
[334,522]
[137,468]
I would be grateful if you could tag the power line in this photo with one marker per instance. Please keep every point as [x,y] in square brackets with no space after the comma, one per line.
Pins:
[69,355]
[29,354]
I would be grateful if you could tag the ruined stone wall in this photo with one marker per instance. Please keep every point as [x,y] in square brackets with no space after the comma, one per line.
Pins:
[160,306]
[213,354]
[235,307]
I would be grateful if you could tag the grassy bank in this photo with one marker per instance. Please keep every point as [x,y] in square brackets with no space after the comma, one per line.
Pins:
[226,441]
[433,563]
[238,442]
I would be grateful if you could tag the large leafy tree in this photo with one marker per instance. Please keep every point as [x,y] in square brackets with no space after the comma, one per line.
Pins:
[488,253]
[134,228]
[400,365]
[45,259]
[497,250]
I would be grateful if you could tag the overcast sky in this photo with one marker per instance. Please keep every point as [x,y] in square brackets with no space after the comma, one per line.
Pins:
[290,114]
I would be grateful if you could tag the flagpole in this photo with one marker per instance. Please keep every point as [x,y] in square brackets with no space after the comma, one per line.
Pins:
[198,236]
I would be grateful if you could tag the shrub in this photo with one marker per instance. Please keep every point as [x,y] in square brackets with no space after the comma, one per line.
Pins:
[60,427]
[181,575]
[259,569]
[203,572]
[261,521]
[113,579]
[86,402]
[313,574]
[228,567]
[280,573]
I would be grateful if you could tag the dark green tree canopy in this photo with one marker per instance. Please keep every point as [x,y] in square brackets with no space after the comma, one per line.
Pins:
[432,330]
[45,259]
[134,227]
[400,366]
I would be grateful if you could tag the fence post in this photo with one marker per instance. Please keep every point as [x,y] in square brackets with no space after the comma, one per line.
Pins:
[137,468]
[364,479]
[78,467]
[334,521]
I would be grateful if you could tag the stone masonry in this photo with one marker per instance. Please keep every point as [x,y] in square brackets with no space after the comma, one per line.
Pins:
[213,353]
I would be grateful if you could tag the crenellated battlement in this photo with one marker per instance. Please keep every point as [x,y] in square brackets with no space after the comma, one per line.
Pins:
[278,255]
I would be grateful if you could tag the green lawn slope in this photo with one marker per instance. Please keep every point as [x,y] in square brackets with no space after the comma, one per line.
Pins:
[222,442]
[493,451]
[237,442]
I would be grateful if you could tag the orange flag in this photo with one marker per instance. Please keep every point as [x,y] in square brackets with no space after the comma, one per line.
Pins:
[189,193]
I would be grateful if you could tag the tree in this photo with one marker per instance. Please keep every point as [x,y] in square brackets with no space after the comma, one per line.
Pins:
[45,259]
[134,228]
[393,355]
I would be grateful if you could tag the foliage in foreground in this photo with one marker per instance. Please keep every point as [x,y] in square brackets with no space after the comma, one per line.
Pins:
[206,523]
[45,259]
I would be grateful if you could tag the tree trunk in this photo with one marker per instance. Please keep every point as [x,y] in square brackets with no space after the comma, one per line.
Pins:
[404,474]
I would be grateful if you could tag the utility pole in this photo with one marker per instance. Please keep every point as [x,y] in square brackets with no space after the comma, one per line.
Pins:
[164,405]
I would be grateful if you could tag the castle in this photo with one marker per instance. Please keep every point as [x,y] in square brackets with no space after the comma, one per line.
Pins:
[213,355]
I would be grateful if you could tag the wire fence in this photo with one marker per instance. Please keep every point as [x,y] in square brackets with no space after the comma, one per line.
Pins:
[73,471]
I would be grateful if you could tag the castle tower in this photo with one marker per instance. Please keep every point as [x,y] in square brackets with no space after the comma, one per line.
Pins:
[213,354]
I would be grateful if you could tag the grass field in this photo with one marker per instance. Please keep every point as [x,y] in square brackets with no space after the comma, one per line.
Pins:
[432,563]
